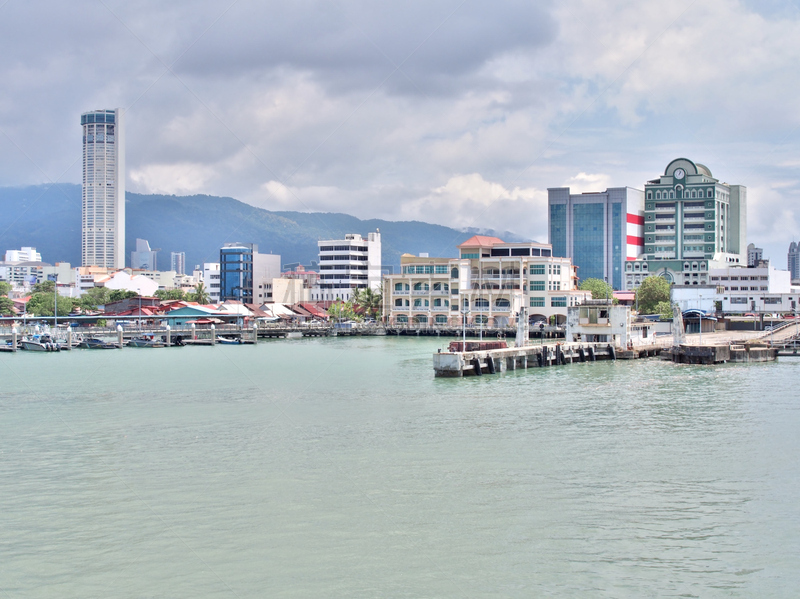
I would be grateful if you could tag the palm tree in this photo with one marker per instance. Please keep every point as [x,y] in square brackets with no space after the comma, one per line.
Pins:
[370,301]
[200,294]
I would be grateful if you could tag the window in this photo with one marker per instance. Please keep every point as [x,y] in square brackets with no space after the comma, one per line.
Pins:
[537,269]
[537,285]
[398,303]
[481,319]
[502,302]
[537,302]
[440,269]
[441,319]
[520,251]
[558,302]
[469,255]
[453,273]
[481,302]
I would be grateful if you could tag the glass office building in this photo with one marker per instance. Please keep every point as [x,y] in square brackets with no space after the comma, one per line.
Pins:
[236,272]
[103,189]
[599,231]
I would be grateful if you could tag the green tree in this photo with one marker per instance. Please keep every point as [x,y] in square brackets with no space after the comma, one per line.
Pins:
[43,304]
[6,306]
[665,309]
[121,294]
[199,295]
[170,294]
[5,288]
[342,311]
[94,297]
[44,287]
[654,289]
[599,288]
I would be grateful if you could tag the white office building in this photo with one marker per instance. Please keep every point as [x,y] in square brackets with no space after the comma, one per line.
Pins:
[346,265]
[26,254]
[211,281]
[144,258]
[103,194]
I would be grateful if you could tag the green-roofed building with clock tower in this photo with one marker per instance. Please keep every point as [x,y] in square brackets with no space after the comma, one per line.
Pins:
[692,223]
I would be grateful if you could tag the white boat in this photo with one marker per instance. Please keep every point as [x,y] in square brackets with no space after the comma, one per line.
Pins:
[42,342]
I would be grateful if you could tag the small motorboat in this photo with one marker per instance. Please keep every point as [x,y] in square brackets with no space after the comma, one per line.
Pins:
[43,342]
[95,343]
[229,340]
[145,341]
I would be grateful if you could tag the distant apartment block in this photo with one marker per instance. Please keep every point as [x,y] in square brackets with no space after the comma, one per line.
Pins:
[103,189]
[754,255]
[598,231]
[143,258]
[346,265]
[793,260]
[488,284]
[178,262]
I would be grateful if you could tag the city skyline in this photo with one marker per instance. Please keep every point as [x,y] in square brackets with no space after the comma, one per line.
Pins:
[455,115]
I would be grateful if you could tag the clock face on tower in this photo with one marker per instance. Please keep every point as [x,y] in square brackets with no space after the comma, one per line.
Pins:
[679,173]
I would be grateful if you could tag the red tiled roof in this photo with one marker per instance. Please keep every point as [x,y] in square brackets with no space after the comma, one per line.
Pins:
[483,241]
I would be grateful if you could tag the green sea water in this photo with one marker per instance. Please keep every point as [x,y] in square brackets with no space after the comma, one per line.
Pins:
[343,468]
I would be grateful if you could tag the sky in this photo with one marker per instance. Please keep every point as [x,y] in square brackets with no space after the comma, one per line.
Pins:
[454,112]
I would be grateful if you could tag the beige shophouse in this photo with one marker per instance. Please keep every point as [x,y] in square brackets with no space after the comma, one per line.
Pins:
[488,284]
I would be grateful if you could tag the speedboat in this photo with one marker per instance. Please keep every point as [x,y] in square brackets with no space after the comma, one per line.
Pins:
[42,342]
[229,340]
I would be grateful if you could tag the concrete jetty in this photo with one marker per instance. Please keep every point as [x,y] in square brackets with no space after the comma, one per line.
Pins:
[492,361]
[720,353]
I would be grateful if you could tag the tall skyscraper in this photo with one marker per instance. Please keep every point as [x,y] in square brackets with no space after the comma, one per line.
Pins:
[103,198]
[600,231]
[178,262]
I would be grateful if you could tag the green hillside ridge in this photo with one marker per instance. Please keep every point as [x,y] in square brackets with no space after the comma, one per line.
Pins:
[48,217]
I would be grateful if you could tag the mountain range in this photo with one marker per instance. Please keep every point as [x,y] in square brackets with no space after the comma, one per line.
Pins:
[48,217]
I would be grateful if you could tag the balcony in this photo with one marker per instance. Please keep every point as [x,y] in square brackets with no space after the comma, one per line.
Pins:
[441,308]
[400,292]
[421,292]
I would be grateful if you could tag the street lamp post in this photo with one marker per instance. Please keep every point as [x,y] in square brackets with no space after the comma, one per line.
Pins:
[700,311]
[464,312]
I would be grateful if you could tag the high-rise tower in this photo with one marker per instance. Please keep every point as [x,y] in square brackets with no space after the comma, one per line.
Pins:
[103,197]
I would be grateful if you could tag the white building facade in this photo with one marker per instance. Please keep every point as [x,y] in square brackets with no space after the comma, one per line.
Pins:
[346,265]
[103,189]
[26,254]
